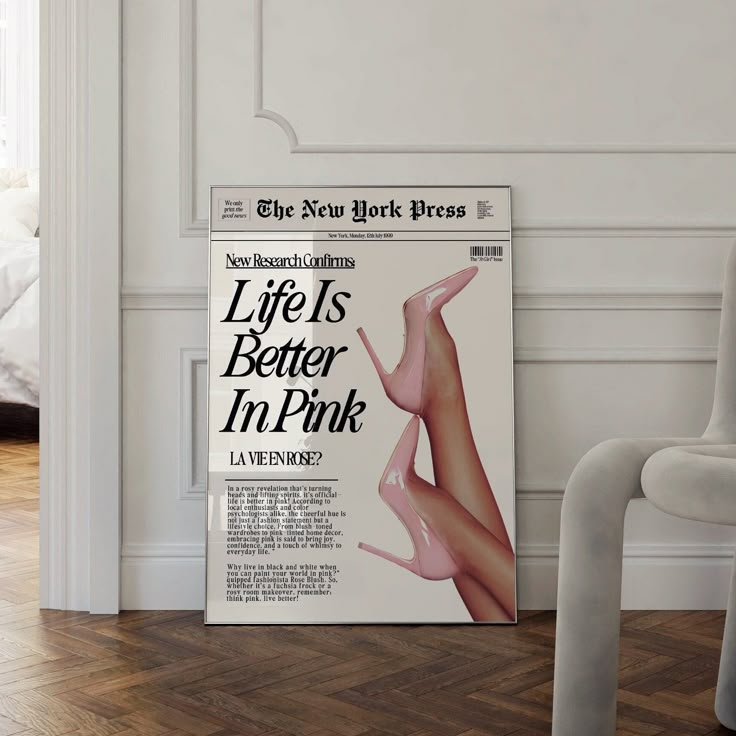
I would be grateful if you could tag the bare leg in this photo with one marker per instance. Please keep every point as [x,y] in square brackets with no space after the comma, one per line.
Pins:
[457,465]
[475,550]
[481,605]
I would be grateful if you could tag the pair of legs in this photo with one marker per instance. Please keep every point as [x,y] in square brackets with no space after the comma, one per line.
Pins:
[461,508]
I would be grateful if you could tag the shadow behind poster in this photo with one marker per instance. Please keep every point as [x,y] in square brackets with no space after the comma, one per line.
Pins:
[310,447]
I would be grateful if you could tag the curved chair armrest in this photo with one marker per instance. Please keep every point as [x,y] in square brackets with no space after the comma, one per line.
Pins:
[694,482]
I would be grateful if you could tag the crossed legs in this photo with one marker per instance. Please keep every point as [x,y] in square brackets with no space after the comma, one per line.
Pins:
[461,508]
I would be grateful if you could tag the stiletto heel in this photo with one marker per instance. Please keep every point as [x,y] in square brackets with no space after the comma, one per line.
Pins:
[412,565]
[431,560]
[382,372]
[404,385]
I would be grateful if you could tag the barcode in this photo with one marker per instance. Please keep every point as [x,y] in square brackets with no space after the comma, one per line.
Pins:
[487,251]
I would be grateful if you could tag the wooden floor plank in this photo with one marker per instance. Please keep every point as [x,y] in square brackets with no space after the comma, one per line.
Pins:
[161,673]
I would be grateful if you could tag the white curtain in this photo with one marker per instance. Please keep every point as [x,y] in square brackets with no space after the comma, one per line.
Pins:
[21,75]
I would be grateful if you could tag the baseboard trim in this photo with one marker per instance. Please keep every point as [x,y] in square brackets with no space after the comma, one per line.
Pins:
[678,584]
[661,576]
[647,552]
[162,583]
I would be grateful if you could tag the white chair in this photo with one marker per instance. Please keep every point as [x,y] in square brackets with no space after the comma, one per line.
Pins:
[690,477]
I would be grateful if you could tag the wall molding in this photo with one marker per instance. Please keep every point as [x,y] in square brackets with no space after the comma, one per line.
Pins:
[191,226]
[622,228]
[553,299]
[166,298]
[190,488]
[616,299]
[163,550]
[297,146]
[80,420]
[624,354]
[540,490]
[662,576]
[563,298]
[649,552]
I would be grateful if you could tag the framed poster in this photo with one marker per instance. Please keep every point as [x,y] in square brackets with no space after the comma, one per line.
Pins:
[361,445]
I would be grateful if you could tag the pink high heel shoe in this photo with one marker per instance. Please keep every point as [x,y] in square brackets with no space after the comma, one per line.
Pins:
[404,385]
[431,560]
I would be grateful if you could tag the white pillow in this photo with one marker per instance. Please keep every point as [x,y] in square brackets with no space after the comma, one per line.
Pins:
[18,214]
[13,179]
[32,177]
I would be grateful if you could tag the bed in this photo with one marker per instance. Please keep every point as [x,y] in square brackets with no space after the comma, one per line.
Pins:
[19,292]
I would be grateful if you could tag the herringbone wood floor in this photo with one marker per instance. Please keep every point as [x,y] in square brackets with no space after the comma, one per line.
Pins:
[156,673]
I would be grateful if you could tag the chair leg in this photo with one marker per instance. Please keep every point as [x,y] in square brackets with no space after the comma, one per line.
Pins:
[726,690]
[589,586]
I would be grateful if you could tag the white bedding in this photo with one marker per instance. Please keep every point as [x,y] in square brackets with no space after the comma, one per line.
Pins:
[19,309]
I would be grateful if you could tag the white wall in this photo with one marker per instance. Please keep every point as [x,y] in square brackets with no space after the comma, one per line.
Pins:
[612,121]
